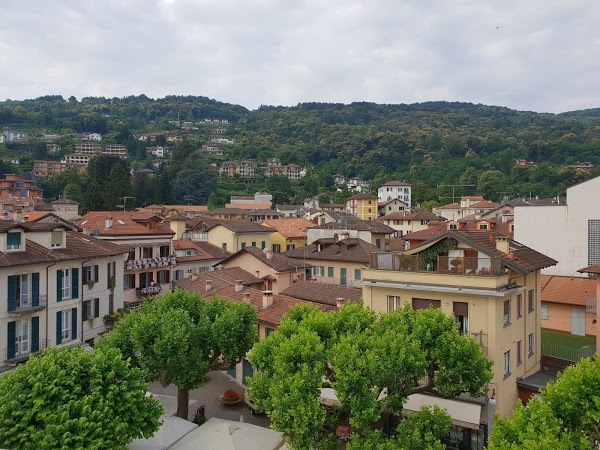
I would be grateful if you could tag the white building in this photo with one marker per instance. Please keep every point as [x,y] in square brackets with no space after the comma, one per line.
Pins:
[12,136]
[91,137]
[566,231]
[159,151]
[395,189]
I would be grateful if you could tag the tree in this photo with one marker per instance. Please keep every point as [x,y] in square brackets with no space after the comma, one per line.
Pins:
[491,183]
[194,184]
[117,187]
[565,416]
[73,398]
[359,354]
[178,337]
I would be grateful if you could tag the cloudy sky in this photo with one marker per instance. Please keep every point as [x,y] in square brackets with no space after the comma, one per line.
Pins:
[540,55]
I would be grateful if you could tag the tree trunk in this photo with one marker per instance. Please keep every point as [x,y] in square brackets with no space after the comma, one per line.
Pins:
[183,401]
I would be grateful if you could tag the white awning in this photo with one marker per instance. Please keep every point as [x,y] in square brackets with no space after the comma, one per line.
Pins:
[464,414]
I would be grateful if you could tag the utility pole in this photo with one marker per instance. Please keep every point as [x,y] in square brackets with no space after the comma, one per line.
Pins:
[124,205]
[453,186]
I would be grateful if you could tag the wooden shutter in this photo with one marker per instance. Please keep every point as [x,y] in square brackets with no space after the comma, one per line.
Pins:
[58,327]
[96,277]
[424,303]
[461,308]
[59,281]
[84,275]
[507,307]
[96,306]
[10,346]
[111,303]
[75,283]
[12,292]
[73,323]
[84,309]
[35,334]
[35,289]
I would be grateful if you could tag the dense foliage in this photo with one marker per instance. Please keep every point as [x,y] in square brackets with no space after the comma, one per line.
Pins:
[179,337]
[565,416]
[427,144]
[360,354]
[73,398]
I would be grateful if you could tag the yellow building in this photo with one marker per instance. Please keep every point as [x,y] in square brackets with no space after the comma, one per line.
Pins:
[490,285]
[363,206]
[289,233]
[234,235]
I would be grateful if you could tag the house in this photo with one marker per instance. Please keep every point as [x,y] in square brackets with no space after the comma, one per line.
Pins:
[405,222]
[337,261]
[234,235]
[159,151]
[290,211]
[245,169]
[58,285]
[195,257]
[52,148]
[293,172]
[149,265]
[567,230]
[339,180]
[569,305]
[11,160]
[44,169]
[470,204]
[91,137]
[221,140]
[583,165]
[260,215]
[591,307]
[19,193]
[115,150]
[490,285]
[524,163]
[239,285]
[356,184]
[229,213]
[393,190]
[12,136]
[450,211]
[174,138]
[276,270]
[288,233]
[335,223]
[211,150]
[65,209]
[260,200]
[390,206]
[173,211]
[363,206]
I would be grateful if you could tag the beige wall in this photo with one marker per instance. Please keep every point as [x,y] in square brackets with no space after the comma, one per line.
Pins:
[337,266]
[220,235]
[485,317]
[559,319]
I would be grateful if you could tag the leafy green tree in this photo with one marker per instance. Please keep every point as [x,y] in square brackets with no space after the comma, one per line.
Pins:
[73,398]
[194,184]
[73,192]
[117,187]
[491,183]
[565,416]
[179,337]
[359,354]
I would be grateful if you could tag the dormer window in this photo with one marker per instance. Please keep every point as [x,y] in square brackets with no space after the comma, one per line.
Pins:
[13,241]
[56,239]
[188,253]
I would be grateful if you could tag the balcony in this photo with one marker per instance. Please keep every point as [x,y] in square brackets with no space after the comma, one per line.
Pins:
[23,351]
[149,290]
[26,304]
[192,236]
[150,263]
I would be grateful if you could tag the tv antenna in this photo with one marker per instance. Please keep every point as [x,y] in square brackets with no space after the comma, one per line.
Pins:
[453,186]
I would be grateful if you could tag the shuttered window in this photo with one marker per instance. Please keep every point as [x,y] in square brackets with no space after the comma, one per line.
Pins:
[424,303]
[460,309]
[506,313]
[56,239]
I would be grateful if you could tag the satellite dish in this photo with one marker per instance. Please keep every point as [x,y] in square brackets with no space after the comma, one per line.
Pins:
[96,232]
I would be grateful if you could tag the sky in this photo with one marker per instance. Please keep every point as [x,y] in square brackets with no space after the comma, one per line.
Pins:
[535,55]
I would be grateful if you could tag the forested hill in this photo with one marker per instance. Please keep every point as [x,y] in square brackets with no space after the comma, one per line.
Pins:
[425,143]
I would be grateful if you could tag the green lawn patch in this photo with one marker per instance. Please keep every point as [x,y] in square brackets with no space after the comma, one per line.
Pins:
[566,339]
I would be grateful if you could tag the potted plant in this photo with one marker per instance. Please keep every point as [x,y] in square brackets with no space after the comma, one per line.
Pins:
[112,282]
[90,322]
[230,397]
[90,284]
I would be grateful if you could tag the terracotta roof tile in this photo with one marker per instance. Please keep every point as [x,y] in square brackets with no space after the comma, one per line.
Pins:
[396,183]
[290,228]
[350,250]
[322,293]
[419,214]
[363,197]
[568,290]
[219,279]
[590,269]
[242,226]
[277,261]
[124,223]
[425,234]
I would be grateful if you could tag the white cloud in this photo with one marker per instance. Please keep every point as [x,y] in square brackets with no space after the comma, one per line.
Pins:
[535,55]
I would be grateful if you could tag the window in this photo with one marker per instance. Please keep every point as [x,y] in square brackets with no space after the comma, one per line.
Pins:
[146,252]
[111,271]
[276,248]
[506,314]
[319,271]
[393,303]
[65,328]
[178,274]
[129,281]
[111,303]
[254,244]
[519,306]
[188,253]
[330,272]
[91,308]
[23,291]
[243,245]
[268,331]
[13,241]
[131,255]
[145,279]
[164,276]
[593,242]
[545,314]
[519,352]
[56,239]
[424,303]
[483,226]
[263,245]
[461,316]
[530,301]
[357,274]
[290,247]
[65,284]
[164,251]
[506,363]
[530,344]
[90,274]
[378,243]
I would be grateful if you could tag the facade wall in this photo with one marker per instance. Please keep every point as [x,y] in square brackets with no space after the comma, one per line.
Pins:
[559,319]
[337,266]
[220,235]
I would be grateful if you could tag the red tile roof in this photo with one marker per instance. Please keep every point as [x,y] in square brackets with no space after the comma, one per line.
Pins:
[322,293]
[350,250]
[568,290]
[277,261]
[363,197]
[219,279]
[290,228]
[590,269]
[124,223]
[202,255]
[396,183]
[419,214]
[450,206]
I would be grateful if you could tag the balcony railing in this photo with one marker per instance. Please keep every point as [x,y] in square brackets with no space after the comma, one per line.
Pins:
[347,282]
[149,263]
[591,305]
[27,304]
[195,236]
[441,264]
[23,351]
[149,290]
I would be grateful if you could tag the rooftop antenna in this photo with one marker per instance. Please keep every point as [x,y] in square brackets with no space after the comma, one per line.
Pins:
[453,186]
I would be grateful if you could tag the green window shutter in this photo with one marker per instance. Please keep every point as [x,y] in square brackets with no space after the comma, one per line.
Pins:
[330,272]
[75,283]
[73,323]
[13,281]
[357,274]
[96,277]
[84,278]
[263,244]
[84,315]
[58,327]
[96,307]
[59,281]
[243,245]
[35,289]
[35,334]
[10,347]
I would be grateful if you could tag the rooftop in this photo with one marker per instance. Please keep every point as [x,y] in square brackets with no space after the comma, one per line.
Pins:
[568,290]
[124,223]
[322,293]
[350,250]
[290,228]
[277,261]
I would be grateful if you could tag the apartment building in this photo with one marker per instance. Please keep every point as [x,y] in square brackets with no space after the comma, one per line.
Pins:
[150,261]
[211,150]
[395,190]
[363,206]
[293,172]
[115,150]
[58,283]
[44,169]
[19,194]
[195,257]
[288,233]
[244,169]
[88,148]
[405,222]
[159,151]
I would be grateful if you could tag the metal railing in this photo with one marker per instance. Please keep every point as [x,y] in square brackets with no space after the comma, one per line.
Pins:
[15,355]
[195,236]
[460,265]
[591,305]
[26,304]
[568,353]
[348,282]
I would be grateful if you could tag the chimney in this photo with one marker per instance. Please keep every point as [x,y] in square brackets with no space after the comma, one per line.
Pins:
[267,299]
[194,277]
[238,286]
[208,285]
[108,223]
[344,235]
[339,302]
[502,244]
[247,297]
[223,248]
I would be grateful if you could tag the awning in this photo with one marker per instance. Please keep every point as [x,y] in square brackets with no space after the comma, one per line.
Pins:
[464,414]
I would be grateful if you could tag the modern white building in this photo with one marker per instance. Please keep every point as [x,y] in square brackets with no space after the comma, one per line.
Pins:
[395,189]
[568,231]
